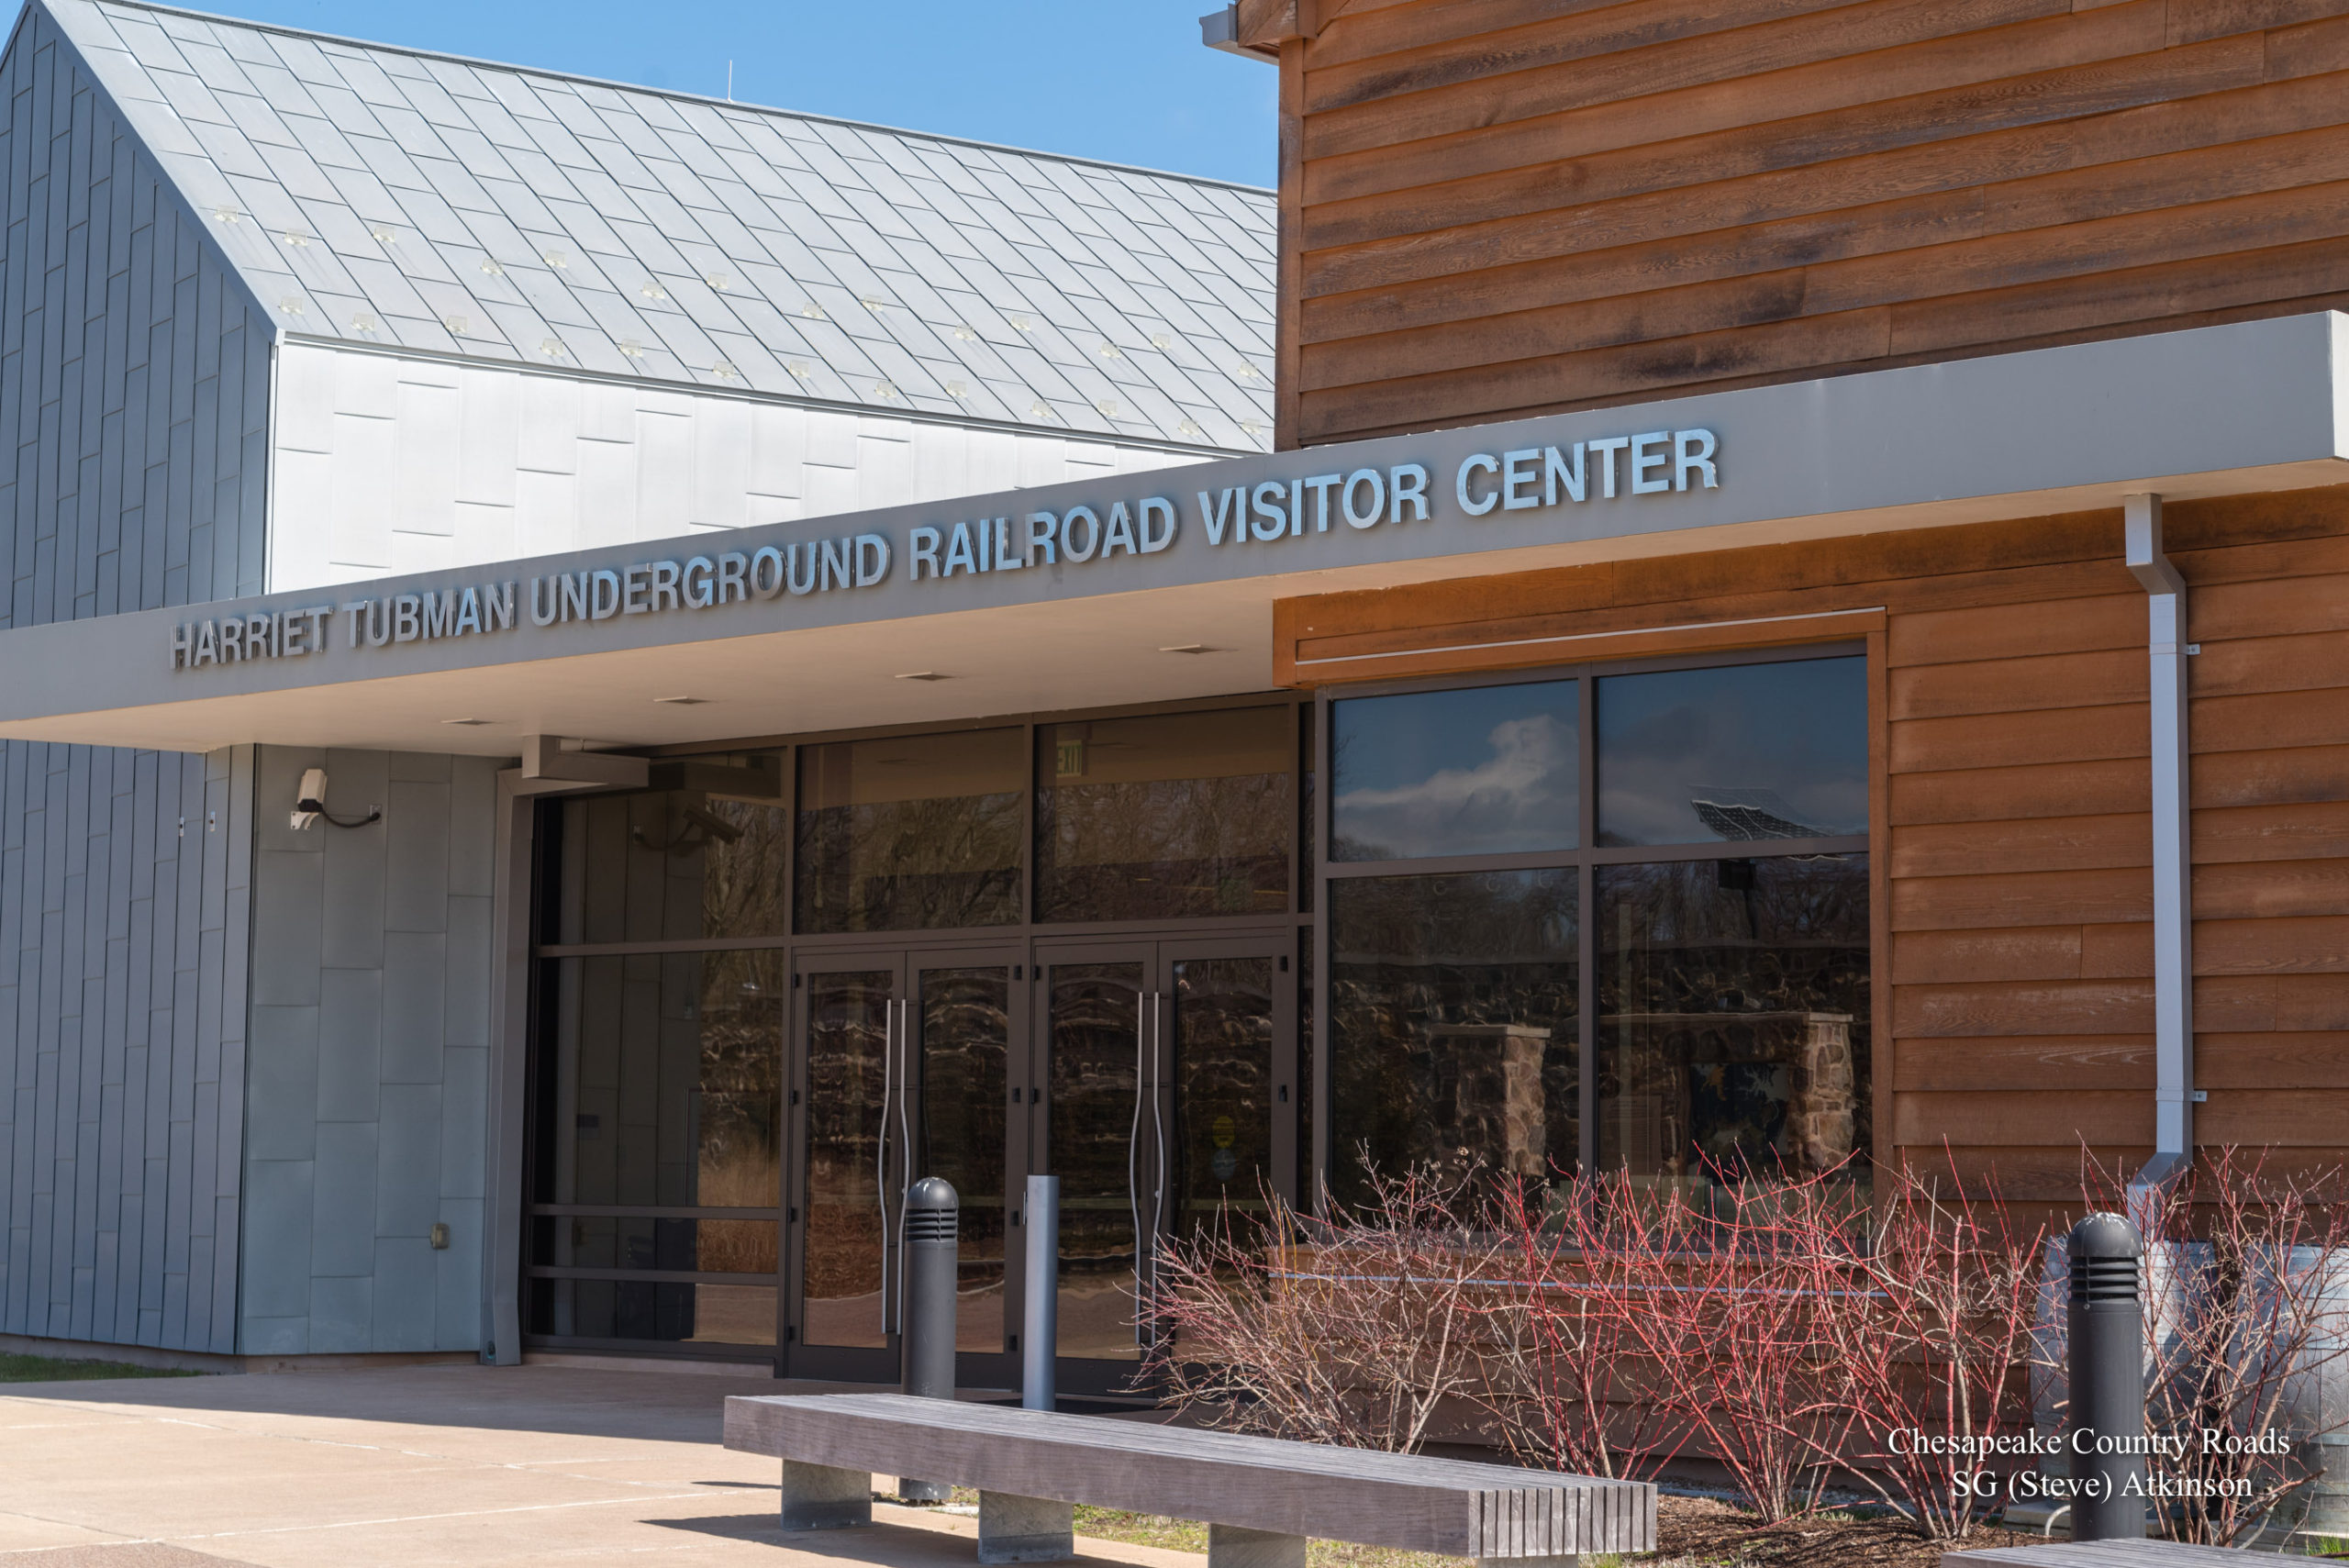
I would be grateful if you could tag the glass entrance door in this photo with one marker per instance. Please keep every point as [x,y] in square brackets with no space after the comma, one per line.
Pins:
[900,1071]
[1164,1103]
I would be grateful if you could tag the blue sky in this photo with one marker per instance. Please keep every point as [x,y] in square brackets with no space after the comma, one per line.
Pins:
[1121,80]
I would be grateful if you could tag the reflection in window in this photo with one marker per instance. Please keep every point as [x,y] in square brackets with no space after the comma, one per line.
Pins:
[673,1313]
[1219,1156]
[703,1246]
[1484,771]
[1732,1017]
[1745,753]
[700,855]
[917,832]
[666,1082]
[1167,815]
[849,1093]
[965,1065]
[1453,1034]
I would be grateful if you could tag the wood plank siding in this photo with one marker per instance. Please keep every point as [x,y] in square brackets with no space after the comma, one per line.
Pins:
[1497,208]
[2013,975]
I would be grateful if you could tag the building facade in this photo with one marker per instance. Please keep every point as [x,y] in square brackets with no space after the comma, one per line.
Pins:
[285,312]
[1790,622]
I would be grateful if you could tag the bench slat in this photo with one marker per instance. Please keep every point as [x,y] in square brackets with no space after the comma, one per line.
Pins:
[1454,1507]
[2097,1554]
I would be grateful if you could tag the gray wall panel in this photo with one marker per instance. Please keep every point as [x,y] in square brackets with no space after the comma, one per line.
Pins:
[124,877]
[369,1086]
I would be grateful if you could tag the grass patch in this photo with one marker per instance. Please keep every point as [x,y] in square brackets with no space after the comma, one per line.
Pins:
[47,1369]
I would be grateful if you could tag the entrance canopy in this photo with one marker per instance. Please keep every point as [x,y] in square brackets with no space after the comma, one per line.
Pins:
[1158,587]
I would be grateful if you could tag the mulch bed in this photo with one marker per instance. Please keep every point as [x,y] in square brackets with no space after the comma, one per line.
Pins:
[1701,1530]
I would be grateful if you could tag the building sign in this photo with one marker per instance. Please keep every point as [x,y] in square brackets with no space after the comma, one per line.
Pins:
[1272,513]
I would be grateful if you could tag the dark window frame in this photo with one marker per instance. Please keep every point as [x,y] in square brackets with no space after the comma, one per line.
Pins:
[1584,860]
[792,943]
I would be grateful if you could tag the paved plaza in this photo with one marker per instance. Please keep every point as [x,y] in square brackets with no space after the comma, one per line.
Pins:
[407,1468]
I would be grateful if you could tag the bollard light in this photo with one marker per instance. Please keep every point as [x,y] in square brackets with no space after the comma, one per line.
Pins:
[2106,1428]
[932,1222]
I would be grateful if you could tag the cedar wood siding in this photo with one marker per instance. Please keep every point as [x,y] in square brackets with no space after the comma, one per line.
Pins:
[2013,990]
[1497,208]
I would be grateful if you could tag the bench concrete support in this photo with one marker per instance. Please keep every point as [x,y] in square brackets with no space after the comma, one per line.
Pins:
[1232,1547]
[817,1497]
[1013,1529]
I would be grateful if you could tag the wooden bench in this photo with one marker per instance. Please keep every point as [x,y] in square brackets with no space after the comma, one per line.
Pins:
[2099,1554]
[1261,1499]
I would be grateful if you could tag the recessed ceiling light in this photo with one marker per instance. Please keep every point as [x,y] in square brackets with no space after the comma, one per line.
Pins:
[469,723]
[682,702]
[921,675]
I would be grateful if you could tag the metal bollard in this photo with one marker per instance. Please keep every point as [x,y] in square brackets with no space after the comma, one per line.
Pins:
[932,1221]
[1040,1334]
[2107,1359]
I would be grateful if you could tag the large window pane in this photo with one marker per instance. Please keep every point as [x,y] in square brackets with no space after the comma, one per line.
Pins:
[1454,1037]
[920,832]
[1483,771]
[1168,814]
[1743,752]
[1732,1018]
[667,1083]
[680,1313]
[699,856]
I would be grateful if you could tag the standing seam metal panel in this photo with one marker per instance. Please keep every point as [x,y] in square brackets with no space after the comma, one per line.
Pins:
[133,386]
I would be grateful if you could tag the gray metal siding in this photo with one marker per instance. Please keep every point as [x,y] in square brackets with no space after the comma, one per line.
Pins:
[370,1021]
[133,399]
[123,883]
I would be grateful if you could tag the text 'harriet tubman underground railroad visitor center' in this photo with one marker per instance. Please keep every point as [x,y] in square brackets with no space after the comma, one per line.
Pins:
[593,682]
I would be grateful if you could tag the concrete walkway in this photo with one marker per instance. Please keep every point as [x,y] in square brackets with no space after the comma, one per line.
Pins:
[415,1467]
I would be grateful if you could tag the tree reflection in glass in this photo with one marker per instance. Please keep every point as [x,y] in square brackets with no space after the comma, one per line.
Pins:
[1453,1034]
[916,833]
[965,1073]
[1169,814]
[666,1089]
[699,856]
[672,1066]
[1732,1017]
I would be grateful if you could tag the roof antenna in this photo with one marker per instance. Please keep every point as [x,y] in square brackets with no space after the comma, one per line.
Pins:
[729,81]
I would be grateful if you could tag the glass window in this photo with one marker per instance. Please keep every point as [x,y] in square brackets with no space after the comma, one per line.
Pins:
[632,1242]
[917,832]
[678,1313]
[1165,815]
[699,856]
[1453,1034]
[965,1071]
[1732,1017]
[1482,771]
[1743,752]
[667,1084]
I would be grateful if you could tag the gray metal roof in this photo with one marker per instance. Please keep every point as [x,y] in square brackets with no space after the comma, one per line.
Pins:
[385,195]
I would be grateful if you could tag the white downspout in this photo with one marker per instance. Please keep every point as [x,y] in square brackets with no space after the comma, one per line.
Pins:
[2174,1094]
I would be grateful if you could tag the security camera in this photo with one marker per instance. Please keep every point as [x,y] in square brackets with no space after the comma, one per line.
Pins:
[310,804]
[310,800]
